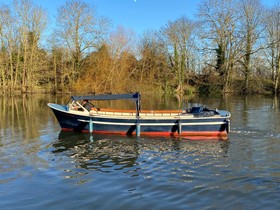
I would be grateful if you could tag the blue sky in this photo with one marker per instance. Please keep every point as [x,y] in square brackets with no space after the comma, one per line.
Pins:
[141,15]
[137,15]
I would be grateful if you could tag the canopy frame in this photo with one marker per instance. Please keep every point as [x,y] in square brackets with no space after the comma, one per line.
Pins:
[132,96]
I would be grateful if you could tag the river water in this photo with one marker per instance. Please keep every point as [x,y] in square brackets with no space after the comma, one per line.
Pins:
[44,168]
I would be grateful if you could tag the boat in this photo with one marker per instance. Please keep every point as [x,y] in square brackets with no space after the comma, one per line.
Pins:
[194,121]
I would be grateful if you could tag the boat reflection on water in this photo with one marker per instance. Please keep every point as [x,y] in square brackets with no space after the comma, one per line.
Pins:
[109,152]
[98,151]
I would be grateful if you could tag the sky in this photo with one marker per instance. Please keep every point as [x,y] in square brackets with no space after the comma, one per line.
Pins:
[136,15]
[141,15]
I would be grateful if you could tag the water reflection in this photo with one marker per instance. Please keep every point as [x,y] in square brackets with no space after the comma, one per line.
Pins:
[97,152]
[106,153]
[37,160]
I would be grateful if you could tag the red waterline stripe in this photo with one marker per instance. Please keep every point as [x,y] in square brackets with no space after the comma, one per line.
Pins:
[197,134]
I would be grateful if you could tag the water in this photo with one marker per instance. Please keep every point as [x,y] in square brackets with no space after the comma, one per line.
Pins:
[44,168]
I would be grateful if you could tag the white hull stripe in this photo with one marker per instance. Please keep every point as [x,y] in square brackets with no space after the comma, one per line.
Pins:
[153,124]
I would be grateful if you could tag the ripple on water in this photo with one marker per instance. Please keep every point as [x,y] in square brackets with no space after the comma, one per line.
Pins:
[158,173]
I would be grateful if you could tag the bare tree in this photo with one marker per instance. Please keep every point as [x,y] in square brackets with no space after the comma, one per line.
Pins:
[121,45]
[218,22]
[31,22]
[251,28]
[59,74]
[4,13]
[79,28]
[178,38]
[21,27]
[272,22]
[109,68]
[152,68]
[9,48]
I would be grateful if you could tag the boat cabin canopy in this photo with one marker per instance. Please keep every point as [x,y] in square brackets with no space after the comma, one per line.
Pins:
[132,96]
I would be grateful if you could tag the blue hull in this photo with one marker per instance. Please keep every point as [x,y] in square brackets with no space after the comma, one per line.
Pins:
[198,126]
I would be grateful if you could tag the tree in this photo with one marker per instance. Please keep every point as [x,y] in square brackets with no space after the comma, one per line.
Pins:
[31,22]
[9,48]
[110,68]
[272,22]
[218,22]
[21,27]
[178,38]
[81,31]
[121,47]
[152,68]
[4,12]
[97,70]
[251,28]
